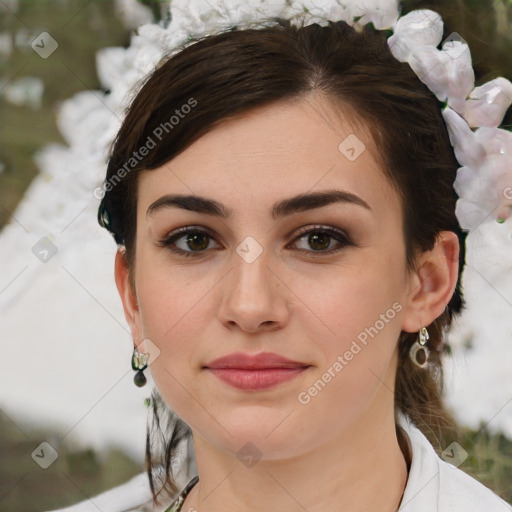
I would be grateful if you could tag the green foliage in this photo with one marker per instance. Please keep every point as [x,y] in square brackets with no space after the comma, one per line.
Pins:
[489,459]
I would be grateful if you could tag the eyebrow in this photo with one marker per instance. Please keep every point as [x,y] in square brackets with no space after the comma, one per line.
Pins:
[280,209]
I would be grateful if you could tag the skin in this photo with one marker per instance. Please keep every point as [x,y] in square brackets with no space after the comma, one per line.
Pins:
[340,450]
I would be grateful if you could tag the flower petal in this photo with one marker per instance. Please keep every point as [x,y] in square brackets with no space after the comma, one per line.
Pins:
[460,74]
[382,13]
[468,149]
[487,104]
[421,27]
[469,215]
[495,141]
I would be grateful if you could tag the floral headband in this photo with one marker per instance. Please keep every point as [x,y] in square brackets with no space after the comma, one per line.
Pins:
[471,114]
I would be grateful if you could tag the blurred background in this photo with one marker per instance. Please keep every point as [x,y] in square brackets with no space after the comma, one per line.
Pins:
[65,376]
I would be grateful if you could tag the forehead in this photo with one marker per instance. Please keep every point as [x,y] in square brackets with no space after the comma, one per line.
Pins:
[276,151]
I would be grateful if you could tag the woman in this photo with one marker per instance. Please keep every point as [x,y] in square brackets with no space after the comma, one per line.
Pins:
[289,258]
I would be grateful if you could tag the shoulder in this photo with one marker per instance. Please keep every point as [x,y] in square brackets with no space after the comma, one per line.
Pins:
[436,485]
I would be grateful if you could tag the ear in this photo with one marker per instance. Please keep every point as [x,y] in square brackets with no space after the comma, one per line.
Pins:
[128,295]
[432,285]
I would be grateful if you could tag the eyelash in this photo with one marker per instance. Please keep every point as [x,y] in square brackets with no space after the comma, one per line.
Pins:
[340,236]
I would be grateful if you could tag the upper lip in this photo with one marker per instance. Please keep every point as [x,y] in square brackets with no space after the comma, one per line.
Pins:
[259,361]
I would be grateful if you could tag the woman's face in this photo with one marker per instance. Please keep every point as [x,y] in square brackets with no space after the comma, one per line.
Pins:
[255,282]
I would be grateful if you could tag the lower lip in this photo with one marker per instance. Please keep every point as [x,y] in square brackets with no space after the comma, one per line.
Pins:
[256,380]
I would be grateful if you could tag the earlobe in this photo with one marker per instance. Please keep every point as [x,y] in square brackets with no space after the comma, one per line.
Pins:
[433,284]
[127,293]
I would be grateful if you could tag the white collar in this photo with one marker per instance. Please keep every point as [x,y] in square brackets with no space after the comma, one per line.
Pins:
[435,485]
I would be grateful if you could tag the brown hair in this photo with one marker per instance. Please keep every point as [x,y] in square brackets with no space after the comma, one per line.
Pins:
[229,73]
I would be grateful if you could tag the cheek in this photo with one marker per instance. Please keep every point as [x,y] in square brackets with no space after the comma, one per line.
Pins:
[345,301]
[356,348]
[170,294]
[175,312]
[172,309]
[353,317]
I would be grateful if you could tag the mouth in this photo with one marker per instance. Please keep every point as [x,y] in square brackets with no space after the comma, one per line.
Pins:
[255,372]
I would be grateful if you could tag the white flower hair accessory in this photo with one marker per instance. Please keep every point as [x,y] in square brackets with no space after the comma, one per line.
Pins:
[484,180]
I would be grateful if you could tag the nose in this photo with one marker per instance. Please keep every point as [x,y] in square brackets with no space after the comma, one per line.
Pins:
[254,296]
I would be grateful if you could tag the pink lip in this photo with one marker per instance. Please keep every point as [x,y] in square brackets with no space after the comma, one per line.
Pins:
[255,372]
[254,380]
[263,360]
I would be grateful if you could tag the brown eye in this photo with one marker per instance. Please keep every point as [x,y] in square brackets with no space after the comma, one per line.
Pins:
[320,239]
[195,241]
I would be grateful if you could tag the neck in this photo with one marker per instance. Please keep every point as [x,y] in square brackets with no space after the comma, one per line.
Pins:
[361,468]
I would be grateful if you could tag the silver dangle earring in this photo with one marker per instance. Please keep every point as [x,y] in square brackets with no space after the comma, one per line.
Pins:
[139,364]
[419,352]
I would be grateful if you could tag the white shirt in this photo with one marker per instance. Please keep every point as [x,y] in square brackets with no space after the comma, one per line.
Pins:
[433,485]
